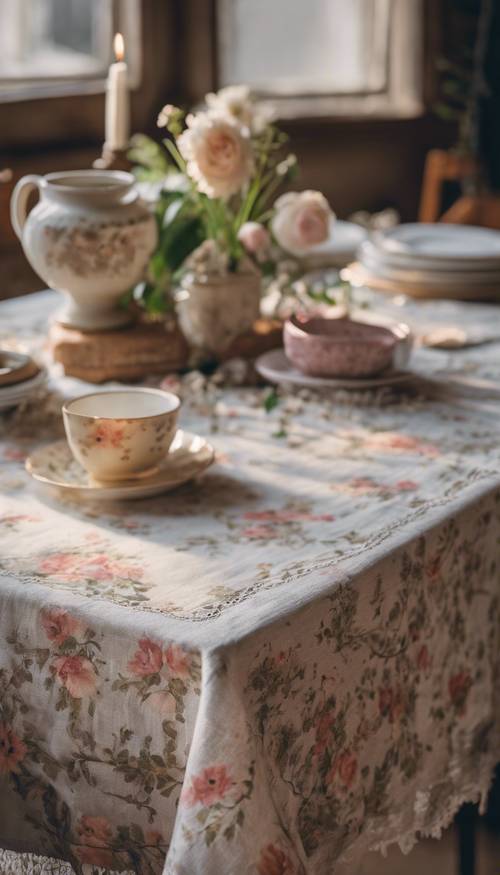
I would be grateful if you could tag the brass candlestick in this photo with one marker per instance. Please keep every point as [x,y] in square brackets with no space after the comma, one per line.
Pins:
[112,159]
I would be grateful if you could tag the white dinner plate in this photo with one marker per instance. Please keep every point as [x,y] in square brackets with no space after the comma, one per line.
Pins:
[445,270]
[401,272]
[55,466]
[275,367]
[435,245]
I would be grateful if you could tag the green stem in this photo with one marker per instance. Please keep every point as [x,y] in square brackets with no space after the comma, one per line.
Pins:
[176,155]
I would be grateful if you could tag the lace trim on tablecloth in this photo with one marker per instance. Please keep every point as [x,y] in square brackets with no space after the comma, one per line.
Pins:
[286,575]
[12,863]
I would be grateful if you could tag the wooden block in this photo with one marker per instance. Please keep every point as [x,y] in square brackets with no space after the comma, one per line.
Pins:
[127,354]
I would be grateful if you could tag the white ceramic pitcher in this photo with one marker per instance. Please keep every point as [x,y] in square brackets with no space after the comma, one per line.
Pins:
[90,236]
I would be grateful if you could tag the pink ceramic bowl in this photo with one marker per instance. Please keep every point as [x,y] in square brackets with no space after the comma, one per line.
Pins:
[343,347]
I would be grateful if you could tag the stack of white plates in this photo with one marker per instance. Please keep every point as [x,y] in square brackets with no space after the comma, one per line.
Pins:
[20,379]
[423,260]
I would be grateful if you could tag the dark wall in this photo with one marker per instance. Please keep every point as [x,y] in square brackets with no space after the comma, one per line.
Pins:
[368,164]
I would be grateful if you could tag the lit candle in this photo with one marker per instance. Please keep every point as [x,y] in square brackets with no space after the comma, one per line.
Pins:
[117,100]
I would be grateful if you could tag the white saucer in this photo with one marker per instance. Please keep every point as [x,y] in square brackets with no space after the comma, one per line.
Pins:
[275,367]
[55,466]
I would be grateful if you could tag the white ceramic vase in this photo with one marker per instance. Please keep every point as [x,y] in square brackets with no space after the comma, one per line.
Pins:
[90,237]
[214,312]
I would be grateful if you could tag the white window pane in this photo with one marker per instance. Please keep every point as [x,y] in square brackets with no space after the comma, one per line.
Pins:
[54,38]
[305,46]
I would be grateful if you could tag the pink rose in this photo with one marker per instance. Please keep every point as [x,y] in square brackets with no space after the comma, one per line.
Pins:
[61,564]
[76,674]
[260,533]
[255,238]
[274,861]
[147,660]
[108,434]
[12,750]
[301,221]
[423,659]
[95,835]
[178,660]
[459,686]
[95,831]
[323,733]
[347,766]
[390,703]
[218,153]
[208,787]
[59,625]
[406,485]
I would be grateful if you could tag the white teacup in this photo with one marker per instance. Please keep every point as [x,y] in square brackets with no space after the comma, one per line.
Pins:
[121,433]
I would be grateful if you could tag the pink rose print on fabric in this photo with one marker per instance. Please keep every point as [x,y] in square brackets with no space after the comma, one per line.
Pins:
[95,835]
[70,567]
[108,434]
[269,521]
[433,567]
[58,626]
[208,787]
[458,687]
[12,750]
[14,454]
[390,703]
[178,661]
[323,733]
[287,516]
[344,770]
[274,861]
[347,766]
[147,659]
[424,660]
[392,441]
[76,674]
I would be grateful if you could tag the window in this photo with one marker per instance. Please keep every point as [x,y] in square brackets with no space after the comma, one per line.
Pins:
[49,47]
[325,57]
[54,59]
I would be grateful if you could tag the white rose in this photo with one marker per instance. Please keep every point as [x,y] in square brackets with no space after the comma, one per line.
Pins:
[236,101]
[218,153]
[255,238]
[301,221]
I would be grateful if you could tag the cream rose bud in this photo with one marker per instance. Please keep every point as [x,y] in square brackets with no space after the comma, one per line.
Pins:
[218,154]
[301,221]
[237,101]
[254,237]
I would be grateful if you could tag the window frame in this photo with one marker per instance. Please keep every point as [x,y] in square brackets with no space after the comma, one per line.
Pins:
[403,96]
[73,112]
[125,17]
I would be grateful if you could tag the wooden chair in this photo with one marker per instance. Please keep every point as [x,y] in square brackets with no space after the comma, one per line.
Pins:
[474,209]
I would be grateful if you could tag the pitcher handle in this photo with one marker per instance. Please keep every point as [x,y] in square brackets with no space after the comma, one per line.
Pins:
[19,201]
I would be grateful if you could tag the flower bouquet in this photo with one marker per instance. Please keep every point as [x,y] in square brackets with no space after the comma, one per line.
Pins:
[214,181]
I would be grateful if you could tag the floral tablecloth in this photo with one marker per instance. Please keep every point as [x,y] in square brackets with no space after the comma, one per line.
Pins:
[270,671]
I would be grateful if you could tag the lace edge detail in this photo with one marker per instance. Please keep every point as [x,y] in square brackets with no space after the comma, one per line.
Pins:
[23,863]
[474,793]
[202,614]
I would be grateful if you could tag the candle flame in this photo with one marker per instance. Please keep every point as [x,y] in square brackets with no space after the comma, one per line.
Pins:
[119,47]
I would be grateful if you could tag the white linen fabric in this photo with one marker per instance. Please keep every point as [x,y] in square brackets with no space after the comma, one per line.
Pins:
[274,669]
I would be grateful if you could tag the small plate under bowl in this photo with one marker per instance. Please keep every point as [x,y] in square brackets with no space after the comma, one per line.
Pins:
[275,367]
[55,466]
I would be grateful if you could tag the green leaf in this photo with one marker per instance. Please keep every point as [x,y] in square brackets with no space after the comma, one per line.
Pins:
[271,400]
